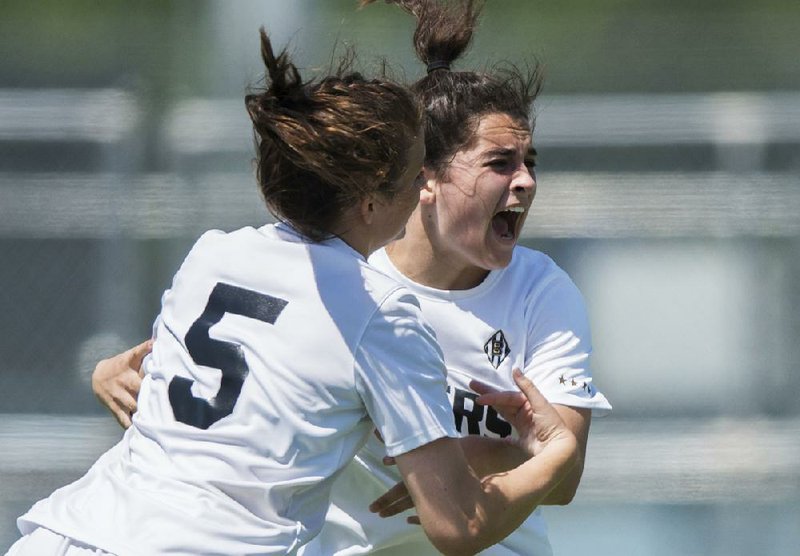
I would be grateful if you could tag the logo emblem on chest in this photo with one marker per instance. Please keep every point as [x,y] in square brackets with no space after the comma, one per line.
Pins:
[497,348]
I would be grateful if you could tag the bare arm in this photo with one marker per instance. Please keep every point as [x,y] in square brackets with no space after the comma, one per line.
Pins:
[487,455]
[484,455]
[493,455]
[461,513]
[116,382]
[577,419]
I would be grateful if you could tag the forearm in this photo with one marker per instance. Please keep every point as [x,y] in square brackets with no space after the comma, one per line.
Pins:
[511,497]
[565,490]
[488,456]
[577,420]
[491,455]
[464,514]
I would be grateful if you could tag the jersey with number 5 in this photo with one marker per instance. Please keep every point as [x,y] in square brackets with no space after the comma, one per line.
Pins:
[274,359]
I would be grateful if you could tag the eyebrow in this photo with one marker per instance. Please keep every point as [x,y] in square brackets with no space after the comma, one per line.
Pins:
[497,151]
[503,151]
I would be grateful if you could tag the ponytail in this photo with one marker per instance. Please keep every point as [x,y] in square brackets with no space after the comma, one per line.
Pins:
[324,145]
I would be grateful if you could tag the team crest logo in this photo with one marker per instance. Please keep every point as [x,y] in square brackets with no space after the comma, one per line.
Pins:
[497,348]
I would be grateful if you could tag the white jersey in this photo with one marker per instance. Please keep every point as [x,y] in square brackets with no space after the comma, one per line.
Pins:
[528,315]
[274,360]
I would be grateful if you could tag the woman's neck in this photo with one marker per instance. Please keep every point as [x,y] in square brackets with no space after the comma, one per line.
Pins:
[417,258]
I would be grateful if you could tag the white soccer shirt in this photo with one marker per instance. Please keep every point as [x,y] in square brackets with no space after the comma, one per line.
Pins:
[274,360]
[528,315]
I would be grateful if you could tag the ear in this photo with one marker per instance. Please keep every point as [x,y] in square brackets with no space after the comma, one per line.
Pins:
[427,195]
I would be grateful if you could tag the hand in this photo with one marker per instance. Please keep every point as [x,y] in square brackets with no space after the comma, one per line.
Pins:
[536,421]
[394,501]
[116,382]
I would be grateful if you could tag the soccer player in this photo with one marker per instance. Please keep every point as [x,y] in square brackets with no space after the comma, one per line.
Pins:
[278,350]
[494,305]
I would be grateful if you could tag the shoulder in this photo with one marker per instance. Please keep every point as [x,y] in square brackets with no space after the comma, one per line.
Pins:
[216,250]
[386,285]
[538,275]
[214,241]
[397,317]
[371,302]
[551,301]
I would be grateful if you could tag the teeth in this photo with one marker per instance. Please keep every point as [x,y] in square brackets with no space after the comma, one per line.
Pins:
[515,209]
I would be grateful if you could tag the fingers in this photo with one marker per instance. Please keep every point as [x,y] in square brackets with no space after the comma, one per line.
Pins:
[121,405]
[124,400]
[116,381]
[394,501]
[508,404]
[508,399]
[397,508]
[489,395]
[536,399]
[136,354]
[120,399]
[481,387]
[122,418]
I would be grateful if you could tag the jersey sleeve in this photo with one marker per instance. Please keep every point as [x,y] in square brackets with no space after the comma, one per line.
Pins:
[401,377]
[560,344]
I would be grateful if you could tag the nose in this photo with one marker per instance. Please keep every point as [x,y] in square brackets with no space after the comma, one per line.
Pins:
[524,181]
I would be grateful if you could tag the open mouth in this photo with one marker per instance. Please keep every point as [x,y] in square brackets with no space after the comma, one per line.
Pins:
[504,223]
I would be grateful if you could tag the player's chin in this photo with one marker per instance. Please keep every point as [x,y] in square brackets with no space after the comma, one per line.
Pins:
[498,256]
[501,262]
[499,250]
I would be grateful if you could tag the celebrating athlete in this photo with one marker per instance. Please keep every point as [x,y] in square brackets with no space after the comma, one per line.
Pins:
[494,305]
[279,349]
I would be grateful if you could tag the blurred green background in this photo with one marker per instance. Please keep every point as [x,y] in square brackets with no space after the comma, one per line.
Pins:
[588,46]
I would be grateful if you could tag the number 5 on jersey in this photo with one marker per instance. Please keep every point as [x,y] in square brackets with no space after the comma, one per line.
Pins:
[225,356]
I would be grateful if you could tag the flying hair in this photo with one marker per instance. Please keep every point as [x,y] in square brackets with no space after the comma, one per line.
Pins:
[444,30]
[323,145]
[455,101]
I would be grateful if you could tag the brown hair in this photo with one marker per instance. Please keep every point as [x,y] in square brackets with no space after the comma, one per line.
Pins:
[324,145]
[454,101]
